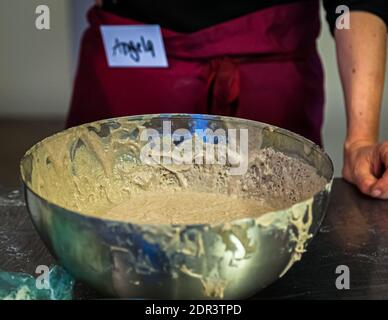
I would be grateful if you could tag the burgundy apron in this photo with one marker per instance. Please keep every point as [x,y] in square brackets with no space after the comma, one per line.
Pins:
[263,66]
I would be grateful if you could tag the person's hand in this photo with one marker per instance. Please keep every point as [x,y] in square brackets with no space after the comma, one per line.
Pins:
[366,165]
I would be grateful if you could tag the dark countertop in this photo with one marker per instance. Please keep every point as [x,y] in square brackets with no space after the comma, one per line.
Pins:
[354,233]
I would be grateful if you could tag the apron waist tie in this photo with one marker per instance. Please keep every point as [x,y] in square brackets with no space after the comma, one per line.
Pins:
[223,86]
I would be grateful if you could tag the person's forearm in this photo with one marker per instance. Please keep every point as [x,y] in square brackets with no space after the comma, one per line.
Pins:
[361,54]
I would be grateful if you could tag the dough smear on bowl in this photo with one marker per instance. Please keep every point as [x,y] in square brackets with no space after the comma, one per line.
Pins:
[90,172]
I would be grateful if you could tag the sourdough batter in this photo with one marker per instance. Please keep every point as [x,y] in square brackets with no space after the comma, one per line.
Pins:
[185,207]
[86,170]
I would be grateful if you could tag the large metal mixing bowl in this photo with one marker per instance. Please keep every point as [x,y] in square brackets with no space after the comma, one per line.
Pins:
[229,261]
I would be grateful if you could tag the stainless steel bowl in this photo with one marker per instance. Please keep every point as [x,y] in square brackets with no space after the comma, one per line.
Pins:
[229,261]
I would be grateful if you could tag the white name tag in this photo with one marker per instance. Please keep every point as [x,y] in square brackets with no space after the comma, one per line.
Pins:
[134,46]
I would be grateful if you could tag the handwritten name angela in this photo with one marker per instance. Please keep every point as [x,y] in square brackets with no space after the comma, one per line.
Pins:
[134,49]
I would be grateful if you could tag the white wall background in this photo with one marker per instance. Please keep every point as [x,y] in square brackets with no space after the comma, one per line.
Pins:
[37,67]
[35,78]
